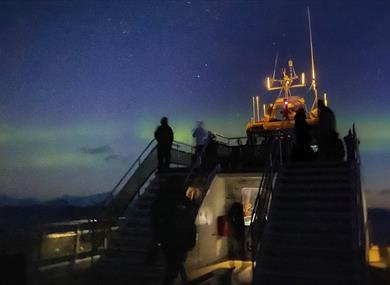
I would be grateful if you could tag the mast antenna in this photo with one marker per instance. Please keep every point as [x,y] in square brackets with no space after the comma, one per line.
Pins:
[275,65]
[313,72]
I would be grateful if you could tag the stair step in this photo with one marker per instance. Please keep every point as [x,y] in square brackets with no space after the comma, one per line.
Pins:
[128,252]
[138,221]
[149,195]
[341,205]
[119,264]
[311,194]
[335,239]
[315,171]
[310,264]
[272,277]
[140,212]
[316,164]
[126,242]
[136,231]
[311,217]
[323,252]
[321,248]
[143,203]
[331,186]
[324,177]
[310,227]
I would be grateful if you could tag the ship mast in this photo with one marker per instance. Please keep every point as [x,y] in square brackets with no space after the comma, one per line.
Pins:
[313,72]
[289,80]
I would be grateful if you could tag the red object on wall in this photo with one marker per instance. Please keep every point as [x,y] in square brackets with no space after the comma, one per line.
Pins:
[222,224]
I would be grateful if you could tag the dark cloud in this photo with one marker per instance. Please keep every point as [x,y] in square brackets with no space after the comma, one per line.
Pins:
[116,157]
[104,149]
[385,192]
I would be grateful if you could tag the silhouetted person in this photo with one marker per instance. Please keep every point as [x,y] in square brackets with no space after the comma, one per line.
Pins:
[200,135]
[349,143]
[325,130]
[164,137]
[174,228]
[237,231]
[302,149]
[211,152]
[336,148]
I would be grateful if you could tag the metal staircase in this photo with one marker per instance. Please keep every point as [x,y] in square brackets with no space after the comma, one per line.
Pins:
[132,183]
[314,228]
[128,258]
[132,256]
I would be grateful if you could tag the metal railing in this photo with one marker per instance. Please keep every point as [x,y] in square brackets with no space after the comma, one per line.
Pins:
[139,172]
[360,238]
[277,150]
[66,242]
[231,141]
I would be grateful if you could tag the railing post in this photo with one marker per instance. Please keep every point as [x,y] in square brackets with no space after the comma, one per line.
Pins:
[280,148]
[77,243]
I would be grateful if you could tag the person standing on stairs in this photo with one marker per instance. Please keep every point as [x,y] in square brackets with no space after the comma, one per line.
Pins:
[164,137]
[301,149]
[330,146]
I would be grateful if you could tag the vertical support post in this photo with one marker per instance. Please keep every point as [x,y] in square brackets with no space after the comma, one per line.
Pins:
[253,108]
[257,108]
[280,148]
[77,244]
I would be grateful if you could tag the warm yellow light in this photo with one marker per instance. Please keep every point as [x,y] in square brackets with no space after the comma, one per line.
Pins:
[254,108]
[325,100]
[264,109]
[374,255]
[257,108]
[193,193]
[303,78]
[61,235]
[268,83]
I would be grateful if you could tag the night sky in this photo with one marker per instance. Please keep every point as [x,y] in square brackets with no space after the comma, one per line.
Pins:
[83,84]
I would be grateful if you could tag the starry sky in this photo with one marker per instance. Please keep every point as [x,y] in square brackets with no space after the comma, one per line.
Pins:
[84,83]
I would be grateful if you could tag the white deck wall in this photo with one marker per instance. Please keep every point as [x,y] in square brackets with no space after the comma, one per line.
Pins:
[224,190]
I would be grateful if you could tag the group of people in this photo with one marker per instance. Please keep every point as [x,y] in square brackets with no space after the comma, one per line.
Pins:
[173,213]
[330,147]
[164,137]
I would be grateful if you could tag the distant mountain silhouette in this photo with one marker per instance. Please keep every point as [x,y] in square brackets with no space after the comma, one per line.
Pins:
[63,201]
[6,200]
[78,201]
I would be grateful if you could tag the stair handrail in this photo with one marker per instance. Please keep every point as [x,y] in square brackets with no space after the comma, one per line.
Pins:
[150,147]
[263,199]
[197,162]
[137,162]
[227,140]
[361,216]
[213,137]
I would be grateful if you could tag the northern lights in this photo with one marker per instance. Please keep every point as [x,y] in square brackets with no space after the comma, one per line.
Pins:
[78,77]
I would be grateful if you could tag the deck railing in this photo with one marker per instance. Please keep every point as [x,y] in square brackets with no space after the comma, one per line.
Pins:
[277,149]
[70,241]
[360,234]
[139,172]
